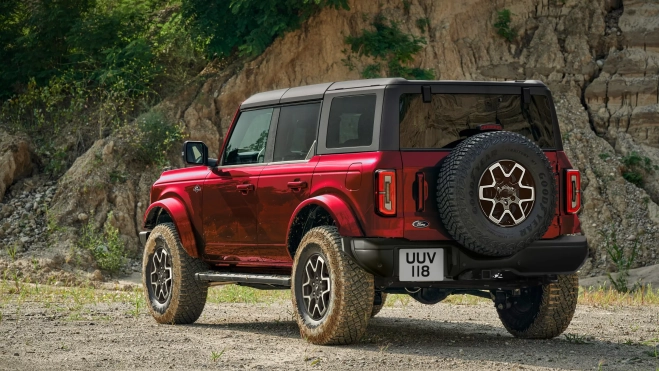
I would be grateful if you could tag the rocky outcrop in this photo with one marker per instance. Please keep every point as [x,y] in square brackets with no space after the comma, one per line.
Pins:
[598,57]
[103,181]
[15,160]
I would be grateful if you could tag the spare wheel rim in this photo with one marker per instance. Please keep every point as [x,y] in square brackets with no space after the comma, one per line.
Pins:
[506,193]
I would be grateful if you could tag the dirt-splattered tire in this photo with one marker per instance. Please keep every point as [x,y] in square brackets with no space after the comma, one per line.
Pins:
[168,278]
[496,193]
[378,308]
[332,296]
[542,312]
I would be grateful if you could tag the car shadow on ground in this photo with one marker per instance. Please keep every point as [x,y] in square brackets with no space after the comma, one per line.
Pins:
[472,341]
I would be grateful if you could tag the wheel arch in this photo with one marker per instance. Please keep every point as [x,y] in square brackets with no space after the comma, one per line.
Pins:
[173,210]
[317,211]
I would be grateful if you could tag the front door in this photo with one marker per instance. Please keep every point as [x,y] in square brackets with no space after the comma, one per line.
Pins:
[229,194]
[285,182]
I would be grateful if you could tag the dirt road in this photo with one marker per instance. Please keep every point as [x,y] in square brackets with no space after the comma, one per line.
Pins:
[262,336]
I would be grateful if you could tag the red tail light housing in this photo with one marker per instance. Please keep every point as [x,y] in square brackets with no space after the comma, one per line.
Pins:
[573,191]
[385,192]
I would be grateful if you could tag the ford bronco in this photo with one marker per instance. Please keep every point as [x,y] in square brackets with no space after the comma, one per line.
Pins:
[345,192]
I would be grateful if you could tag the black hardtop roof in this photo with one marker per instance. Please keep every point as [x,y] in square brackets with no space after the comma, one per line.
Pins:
[316,91]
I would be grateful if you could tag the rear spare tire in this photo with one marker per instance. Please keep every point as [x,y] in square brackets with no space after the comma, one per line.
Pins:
[496,193]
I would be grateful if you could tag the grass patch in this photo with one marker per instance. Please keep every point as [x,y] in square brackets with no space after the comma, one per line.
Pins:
[106,246]
[577,339]
[242,294]
[606,296]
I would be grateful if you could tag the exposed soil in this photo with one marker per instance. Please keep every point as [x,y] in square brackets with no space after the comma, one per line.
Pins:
[263,336]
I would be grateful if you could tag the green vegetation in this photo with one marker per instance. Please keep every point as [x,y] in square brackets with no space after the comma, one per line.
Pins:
[105,246]
[622,260]
[11,251]
[636,167]
[577,339]
[423,24]
[85,68]
[215,356]
[390,48]
[604,156]
[247,27]
[503,25]
[151,138]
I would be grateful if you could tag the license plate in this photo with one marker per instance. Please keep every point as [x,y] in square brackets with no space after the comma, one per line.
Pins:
[421,264]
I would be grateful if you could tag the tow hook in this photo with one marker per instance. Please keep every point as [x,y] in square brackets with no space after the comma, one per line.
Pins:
[501,300]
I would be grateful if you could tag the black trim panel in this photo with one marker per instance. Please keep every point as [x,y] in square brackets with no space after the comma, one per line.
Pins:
[562,255]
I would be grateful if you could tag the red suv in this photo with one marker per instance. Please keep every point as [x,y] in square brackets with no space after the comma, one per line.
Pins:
[344,192]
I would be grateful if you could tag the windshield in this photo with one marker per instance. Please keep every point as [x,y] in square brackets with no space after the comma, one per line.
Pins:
[450,118]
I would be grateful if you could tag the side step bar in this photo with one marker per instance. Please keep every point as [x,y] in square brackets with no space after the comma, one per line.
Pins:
[249,278]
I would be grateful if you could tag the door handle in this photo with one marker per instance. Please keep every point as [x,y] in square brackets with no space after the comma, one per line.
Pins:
[422,193]
[244,188]
[297,185]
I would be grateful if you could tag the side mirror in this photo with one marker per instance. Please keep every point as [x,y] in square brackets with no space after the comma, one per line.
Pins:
[195,153]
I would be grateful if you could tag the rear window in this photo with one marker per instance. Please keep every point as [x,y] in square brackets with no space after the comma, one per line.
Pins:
[450,118]
[351,121]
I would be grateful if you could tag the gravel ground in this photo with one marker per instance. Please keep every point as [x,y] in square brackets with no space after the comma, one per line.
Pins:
[263,336]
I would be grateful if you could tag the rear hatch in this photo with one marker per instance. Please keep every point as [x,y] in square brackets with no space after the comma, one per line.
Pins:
[428,131]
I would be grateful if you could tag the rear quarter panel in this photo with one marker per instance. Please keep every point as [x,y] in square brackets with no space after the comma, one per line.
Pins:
[335,170]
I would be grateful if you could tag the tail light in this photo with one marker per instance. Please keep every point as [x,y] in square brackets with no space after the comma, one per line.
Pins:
[573,191]
[385,195]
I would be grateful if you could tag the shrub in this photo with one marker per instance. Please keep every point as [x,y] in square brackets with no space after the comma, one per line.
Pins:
[636,167]
[503,25]
[105,246]
[247,27]
[391,48]
[621,259]
[422,24]
[151,137]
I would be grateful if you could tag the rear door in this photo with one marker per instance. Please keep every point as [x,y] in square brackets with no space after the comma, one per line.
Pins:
[285,182]
[430,129]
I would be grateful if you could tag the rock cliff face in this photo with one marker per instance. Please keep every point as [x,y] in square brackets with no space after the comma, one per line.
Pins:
[599,57]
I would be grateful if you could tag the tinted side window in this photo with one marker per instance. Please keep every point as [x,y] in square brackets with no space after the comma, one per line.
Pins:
[296,131]
[351,121]
[450,118]
[248,139]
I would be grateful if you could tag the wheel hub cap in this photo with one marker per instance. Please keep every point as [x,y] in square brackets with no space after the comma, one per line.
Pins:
[506,193]
[161,275]
[316,289]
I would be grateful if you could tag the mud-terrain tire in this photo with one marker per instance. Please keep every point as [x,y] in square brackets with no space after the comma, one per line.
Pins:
[378,308]
[172,293]
[332,296]
[542,312]
[496,193]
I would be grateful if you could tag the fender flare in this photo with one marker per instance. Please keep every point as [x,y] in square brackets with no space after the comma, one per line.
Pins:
[339,211]
[177,211]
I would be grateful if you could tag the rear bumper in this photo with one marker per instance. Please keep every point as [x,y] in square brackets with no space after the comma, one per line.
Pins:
[562,255]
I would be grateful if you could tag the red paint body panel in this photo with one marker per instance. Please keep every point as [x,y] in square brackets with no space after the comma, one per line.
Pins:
[176,209]
[281,188]
[426,163]
[329,178]
[229,222]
